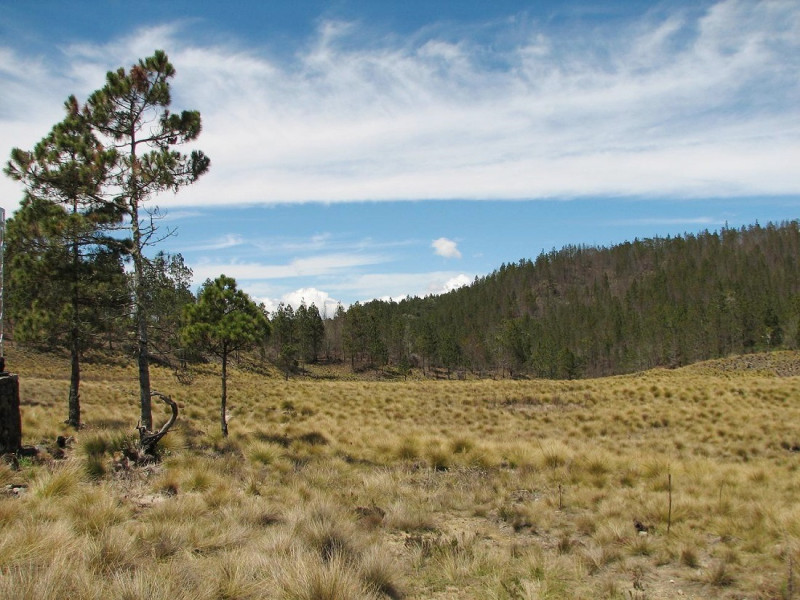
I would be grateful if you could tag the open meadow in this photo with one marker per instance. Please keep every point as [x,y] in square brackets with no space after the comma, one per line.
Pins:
[664,484]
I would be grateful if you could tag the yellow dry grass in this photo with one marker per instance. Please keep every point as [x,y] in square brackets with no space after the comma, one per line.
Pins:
[413,489]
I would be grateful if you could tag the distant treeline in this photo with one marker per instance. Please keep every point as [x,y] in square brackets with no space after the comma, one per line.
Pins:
[591,311]
[576,312]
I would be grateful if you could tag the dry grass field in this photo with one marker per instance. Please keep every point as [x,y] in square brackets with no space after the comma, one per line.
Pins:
[334,489]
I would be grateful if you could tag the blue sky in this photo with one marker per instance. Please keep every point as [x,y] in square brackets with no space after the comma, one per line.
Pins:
[365,149]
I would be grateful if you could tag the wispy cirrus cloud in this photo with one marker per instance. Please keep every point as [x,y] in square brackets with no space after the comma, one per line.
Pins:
[229,240]
[326,242]
[312,266]
[670,221]
[675,102]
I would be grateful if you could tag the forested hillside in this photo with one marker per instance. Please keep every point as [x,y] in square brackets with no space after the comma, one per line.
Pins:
[576,312]
[587,311]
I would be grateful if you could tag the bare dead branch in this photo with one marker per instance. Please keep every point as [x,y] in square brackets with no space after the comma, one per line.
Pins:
[148,439]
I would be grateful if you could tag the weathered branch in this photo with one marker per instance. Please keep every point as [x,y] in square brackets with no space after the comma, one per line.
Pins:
[148,439]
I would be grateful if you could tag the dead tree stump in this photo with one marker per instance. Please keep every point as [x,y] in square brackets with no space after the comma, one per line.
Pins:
[10,420]
[149,439]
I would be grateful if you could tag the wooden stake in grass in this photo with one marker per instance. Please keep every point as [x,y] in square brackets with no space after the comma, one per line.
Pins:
[10,419]
[669,514]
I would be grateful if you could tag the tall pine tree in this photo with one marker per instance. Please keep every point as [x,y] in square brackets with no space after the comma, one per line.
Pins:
[132,112]
[59,232]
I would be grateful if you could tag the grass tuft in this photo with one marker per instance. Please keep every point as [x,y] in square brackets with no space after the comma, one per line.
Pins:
[720,575]
[62,481]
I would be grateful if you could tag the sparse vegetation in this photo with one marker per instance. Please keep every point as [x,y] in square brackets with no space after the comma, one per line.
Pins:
[411,489]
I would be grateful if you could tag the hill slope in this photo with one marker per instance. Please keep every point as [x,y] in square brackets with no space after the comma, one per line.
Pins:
[586,311]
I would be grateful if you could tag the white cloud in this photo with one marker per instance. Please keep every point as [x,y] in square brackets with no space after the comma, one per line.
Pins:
[446,248]
[397,285]
[681,105]
[323,242]
[322,300]
[229,240]
[365,286]
[309,295]
[670,221]
[177,215]
[312,266]
[456,282]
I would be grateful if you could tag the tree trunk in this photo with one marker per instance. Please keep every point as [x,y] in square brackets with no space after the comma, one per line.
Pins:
[143,356]
[74,402]
[10,420]
[74,418]
[224,401]
[144,373]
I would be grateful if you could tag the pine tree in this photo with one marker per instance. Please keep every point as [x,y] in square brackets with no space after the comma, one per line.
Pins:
[61,225]
[311,331]
[284,338]
[333,336]
[168,287]
[354,333]
[223,320]
[132,111]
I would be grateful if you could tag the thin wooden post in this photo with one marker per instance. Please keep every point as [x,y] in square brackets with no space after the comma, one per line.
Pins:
[10,420]
[669,514]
